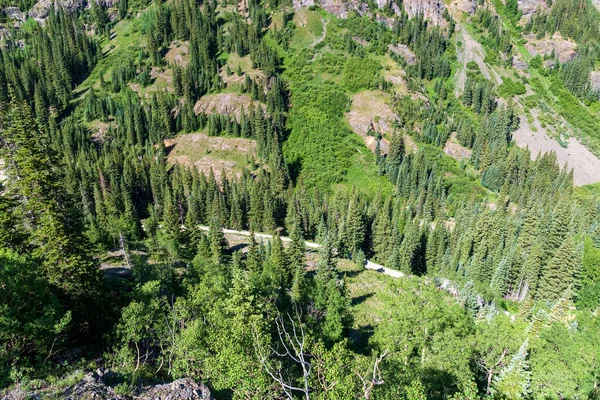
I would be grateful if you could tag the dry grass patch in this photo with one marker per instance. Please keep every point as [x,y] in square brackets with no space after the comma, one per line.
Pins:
[235,62]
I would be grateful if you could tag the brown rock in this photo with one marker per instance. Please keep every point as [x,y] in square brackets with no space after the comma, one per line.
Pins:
[595,80]
[404,51]
[181,389]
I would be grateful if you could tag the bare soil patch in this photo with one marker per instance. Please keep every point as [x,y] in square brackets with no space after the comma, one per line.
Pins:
[371,113]
[585,165]
[471,49]
[225,103]
[178,54]
[455,149]
[221,154]
[394,74]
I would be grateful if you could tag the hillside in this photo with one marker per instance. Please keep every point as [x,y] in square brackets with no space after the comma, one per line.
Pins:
[300,199]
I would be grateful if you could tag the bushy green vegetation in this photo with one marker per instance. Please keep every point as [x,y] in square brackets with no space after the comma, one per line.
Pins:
[510,88]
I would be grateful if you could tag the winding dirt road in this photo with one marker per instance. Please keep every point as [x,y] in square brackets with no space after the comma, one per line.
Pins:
[311,245]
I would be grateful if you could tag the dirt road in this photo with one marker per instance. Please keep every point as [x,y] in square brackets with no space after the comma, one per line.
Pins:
[311,245]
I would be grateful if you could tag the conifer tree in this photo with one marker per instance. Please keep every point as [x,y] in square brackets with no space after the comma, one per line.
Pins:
[514,380]
[559,274]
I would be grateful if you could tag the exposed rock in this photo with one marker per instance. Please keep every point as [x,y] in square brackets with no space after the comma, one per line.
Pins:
[404,51]
[93,385]
[225,103]
[40,10]
[455,149]
[595,80]
[519,64]
[4,33]
[298,4]
[563,48]
[532,7]
[549,63]
[15,13]
[181,389]
[464,6]
[360,41]
[342,8]
[432,10]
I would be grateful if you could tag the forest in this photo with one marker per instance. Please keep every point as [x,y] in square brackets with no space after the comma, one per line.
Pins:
[118,246]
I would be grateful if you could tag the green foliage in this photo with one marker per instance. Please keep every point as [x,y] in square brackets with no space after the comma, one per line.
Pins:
[510,88]
[361,73]
[31,318]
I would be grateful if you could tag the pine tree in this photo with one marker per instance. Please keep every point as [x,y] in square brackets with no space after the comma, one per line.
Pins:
[514,380]
[48,213]
[355,227]
[559,274]
[217,242]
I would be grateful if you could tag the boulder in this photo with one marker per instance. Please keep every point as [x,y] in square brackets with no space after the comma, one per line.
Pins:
[404,51]
[549,63]
[15,13]
[519,64]
[531,7]
[181,389]
[595,80]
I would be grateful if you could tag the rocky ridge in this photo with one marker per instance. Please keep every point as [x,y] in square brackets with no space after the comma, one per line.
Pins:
[94,385]
[432,10]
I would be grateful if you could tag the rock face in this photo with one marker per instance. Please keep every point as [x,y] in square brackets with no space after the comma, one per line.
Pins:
[15,13]
[563,48]
[432,10]
[404,51]
[93,385]
[41,9]
[531,7]
[464,6]
[181,389]
[519,64]
[595,80]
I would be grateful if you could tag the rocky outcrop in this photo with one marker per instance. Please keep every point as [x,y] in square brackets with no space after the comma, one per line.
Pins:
[595,80]
[15,13]
[432,10]
[181,389]
[40,10]
[519,64]
[298,4]
[463,6]
[532,7]
[404,51]
[94,385]
[564,49]
[549,63]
